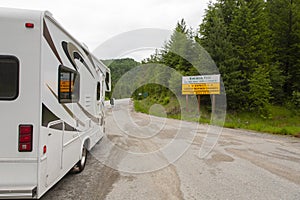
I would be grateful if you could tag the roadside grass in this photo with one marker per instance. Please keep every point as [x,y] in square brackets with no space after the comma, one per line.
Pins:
[282,121]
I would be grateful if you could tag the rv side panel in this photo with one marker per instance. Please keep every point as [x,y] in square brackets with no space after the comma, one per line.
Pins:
[20,105]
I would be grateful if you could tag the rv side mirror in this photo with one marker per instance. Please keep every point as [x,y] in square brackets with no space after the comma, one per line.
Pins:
[112,101]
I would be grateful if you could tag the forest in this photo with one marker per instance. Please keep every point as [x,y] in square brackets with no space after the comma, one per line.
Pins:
[253,44]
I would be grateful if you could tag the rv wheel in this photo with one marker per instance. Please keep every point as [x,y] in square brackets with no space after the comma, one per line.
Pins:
[79,167]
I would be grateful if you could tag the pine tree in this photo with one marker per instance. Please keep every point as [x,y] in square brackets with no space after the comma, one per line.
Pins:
[177,52]
[236,34]
[284,21]
[229,8]
[251,39]
[260,91]
[215,38]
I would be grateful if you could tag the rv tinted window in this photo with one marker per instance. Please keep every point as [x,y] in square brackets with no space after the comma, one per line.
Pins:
[98,91]
[68,85]
[9,77]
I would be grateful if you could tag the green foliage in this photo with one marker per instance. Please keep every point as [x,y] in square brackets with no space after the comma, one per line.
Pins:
[260,92]
[284,121]
[165,100]
[118,68]
[296,100]
[277,82]
[284,23]
[179,50]
[238,34]
[216,39]
[169,104]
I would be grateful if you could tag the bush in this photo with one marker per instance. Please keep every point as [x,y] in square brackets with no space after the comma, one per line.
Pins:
[296,99]
[260,92]
[166,100]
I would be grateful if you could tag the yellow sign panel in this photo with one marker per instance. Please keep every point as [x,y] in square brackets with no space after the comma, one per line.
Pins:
[201,88]
[65,86]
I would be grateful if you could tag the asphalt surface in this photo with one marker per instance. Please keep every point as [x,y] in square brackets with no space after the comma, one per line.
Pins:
[146,157]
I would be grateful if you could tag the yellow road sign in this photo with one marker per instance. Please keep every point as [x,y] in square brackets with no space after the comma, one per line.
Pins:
[201,88]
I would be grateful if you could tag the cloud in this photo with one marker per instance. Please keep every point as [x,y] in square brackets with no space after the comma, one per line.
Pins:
[135,43]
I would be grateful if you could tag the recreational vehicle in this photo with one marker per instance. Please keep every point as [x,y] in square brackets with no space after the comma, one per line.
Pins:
[52,92]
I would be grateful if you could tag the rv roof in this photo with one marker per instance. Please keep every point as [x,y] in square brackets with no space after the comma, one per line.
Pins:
[37,16]
[22,13]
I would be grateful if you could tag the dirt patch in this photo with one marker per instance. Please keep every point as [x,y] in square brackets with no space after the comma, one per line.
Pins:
[167,134]
[222,158]
[168,183]
[129,178]
[105,186]
[218,157]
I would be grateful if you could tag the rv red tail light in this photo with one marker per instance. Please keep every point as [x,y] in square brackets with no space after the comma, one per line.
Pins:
[44,149]
[25,129]
[29,25]
[25,138]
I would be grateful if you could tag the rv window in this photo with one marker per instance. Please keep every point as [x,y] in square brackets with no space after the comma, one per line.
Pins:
[68,85]
[98,91]
[9,77]
[107,80]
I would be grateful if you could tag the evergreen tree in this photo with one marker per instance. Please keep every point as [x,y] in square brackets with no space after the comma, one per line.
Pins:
[284,21]
[260,91]
[229,8]
[251,39]
[177,52]
[215,38]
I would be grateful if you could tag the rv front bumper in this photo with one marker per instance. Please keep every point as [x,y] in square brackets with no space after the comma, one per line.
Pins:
[18,193]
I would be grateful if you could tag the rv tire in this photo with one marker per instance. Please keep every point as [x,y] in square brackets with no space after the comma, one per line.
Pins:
[79,167]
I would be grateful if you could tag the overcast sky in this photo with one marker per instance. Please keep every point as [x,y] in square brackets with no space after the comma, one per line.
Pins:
[94,22]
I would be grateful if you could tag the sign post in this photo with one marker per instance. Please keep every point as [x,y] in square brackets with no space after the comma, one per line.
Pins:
[201,85]
[187,103]
[198,98]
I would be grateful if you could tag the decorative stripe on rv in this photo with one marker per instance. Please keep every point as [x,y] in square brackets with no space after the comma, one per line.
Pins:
[49,40]
[66,108]
[73,53]
[89,115]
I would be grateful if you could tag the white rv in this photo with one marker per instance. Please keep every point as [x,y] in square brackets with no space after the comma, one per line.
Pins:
[51,102]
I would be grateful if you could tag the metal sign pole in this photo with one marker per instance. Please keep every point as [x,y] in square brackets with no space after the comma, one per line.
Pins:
[198,97]
[213,104]
[187,103]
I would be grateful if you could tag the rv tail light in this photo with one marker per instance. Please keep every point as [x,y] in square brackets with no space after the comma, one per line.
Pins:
[29,25]
[44,149]
[25,138]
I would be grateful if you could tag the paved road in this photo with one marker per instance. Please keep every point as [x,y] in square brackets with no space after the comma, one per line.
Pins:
[145,157]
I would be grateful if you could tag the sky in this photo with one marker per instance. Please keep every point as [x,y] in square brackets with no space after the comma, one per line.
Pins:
[97,22]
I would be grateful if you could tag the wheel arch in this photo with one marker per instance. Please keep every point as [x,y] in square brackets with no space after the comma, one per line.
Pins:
[86,142]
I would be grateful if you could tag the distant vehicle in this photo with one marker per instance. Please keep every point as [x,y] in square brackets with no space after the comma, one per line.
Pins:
[52,92]
[112,102]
